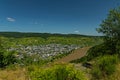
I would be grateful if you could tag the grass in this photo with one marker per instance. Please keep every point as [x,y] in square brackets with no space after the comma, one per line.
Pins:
[104,67]
[13,74]
[116,75]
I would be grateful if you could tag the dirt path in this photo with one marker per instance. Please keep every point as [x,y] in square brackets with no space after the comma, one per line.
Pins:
[74,55]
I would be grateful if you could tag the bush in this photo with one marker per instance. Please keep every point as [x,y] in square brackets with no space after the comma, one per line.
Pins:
[101,50]
[56,72]
[6,58]
[83,59]
[118,47]
[104,66]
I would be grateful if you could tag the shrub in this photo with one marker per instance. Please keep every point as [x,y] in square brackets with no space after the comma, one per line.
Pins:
[104,66]
[56,72]
[118,47]
[83,59]
[6,58]
[101,50]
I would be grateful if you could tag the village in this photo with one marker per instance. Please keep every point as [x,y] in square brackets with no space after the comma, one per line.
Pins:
[45,51]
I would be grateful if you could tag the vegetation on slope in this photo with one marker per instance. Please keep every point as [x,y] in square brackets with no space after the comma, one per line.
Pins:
[36,39]
[56,72]
[105,56]
[104,66]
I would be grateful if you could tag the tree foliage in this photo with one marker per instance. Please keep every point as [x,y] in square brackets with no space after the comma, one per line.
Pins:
[110,27]
[6,57]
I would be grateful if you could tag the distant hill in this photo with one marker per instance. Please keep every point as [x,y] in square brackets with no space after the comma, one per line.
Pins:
[43,35]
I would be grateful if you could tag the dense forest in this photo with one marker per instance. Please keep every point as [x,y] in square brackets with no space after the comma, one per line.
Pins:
[43,35]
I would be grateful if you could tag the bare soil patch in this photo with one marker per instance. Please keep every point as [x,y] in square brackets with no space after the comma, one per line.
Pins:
[76,54]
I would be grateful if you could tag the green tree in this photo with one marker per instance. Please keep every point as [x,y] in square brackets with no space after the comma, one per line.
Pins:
[110,27]
[6,57]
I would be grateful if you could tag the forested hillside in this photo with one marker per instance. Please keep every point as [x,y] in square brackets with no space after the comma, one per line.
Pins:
[15,38]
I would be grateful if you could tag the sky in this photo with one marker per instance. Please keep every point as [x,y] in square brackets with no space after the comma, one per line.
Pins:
[54,16]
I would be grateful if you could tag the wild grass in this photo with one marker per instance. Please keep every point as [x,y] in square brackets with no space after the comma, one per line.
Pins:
[17,73]
[56,72]
[104,67]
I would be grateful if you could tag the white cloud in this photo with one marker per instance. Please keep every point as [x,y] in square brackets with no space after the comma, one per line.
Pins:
[10,19]
[76,31]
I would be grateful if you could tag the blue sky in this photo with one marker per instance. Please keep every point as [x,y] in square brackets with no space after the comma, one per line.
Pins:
[54,16]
